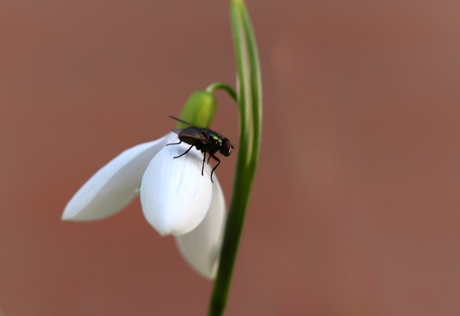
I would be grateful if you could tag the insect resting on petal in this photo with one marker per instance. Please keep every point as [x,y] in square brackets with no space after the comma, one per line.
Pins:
[204,139]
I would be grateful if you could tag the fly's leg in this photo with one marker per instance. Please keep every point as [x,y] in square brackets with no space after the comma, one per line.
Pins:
[218,162]
[204,159]
[182,153]
[174,143]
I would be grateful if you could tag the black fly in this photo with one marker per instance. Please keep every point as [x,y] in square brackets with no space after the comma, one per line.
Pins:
[204,139]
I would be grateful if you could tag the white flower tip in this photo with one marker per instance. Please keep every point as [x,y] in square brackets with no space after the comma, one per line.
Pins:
[74,210]
[78,208]
[65,216]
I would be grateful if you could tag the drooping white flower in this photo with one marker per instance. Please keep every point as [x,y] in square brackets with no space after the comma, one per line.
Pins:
[176,199]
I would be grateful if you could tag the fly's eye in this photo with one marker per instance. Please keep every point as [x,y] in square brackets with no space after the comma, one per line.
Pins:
[226,148]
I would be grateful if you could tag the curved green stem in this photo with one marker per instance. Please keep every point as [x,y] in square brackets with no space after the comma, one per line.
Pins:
[250,110]
[223,86]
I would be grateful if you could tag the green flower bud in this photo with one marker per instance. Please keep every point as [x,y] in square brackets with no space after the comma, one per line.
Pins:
[199,109]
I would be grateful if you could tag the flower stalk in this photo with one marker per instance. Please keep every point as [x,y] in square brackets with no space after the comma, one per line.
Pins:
[249,99]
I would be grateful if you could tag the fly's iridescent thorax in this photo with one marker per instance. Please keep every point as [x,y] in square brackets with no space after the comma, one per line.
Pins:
[215,138]
[214,141]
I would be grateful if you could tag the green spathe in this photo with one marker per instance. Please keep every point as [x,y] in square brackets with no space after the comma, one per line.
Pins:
[199,109]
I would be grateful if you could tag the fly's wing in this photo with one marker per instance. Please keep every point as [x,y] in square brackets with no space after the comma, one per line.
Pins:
[183,122]
[192,133]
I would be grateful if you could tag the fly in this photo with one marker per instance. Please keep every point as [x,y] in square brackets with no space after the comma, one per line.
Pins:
[204,139]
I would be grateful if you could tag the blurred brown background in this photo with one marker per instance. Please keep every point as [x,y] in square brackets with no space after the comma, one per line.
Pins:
[355,208]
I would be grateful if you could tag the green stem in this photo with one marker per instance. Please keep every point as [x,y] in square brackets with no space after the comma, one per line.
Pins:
[250,109]
[220,85]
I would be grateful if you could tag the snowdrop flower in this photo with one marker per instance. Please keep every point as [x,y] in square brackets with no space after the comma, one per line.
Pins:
[176,199]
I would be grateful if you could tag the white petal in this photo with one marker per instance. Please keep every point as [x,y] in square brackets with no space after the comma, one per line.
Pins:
[201,247]
[111,188]
[174,195]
